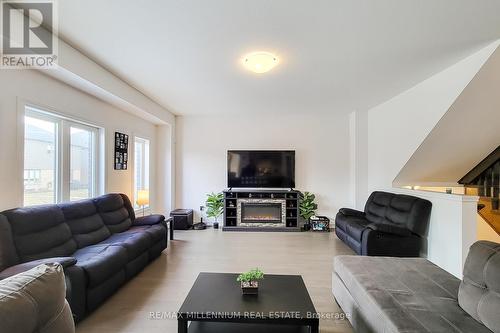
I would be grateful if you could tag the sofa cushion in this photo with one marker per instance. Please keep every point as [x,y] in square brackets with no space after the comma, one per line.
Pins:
[128,206]
[8,253]
[376,206]
[136,243]
[402,210]
[404,294]
[100,262]
[40,232]
[157,232]
[85,224]
[409,212]
[34,301]
[399,209]
[479,293]
[114,213]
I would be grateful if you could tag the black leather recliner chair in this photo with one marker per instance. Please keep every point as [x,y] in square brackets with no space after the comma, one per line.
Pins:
[391,225]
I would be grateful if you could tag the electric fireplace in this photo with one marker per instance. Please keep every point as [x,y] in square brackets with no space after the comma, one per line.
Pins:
[261,212]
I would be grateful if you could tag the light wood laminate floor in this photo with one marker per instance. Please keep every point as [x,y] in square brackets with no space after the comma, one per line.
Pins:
[164,284]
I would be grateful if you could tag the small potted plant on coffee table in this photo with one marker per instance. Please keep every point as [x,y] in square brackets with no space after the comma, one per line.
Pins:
[250,281]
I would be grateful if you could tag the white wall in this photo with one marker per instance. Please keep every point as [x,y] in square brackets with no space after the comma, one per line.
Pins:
[397,127]
[452,228]
[358,139]
[165,168]
[485,231]
[464,136]
[321,144]
[36,88]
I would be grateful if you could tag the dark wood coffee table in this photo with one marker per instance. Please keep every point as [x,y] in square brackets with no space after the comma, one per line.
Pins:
[215,304]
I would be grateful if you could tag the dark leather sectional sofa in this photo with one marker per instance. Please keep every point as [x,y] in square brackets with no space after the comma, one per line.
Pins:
[99,242]
[391,225]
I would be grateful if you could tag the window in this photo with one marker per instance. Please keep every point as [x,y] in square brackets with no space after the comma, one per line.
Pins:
[40,159]
[82,163]
[60,159]
[141,166]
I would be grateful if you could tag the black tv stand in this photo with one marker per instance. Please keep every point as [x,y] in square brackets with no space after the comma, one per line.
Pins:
[290,197]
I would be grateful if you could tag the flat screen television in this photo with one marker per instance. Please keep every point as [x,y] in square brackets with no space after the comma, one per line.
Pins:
[261,168]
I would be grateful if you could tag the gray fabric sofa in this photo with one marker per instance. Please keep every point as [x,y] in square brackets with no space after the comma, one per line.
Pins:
[382,294]
[99,242]
[34,302]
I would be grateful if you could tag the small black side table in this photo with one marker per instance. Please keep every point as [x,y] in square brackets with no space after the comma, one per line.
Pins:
[170,222]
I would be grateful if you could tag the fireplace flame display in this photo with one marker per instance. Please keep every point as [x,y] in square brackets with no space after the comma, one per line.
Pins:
[261,212]
[262,218]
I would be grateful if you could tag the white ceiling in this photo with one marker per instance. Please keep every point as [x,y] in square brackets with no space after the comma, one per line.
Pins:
[335,55]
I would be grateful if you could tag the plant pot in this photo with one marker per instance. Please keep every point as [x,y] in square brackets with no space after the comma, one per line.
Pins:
[216,225]
[307,226]
[250,288]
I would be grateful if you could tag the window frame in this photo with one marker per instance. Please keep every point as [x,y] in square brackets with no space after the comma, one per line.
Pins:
[33,112]
[144,141]
[62,151]
[94,190]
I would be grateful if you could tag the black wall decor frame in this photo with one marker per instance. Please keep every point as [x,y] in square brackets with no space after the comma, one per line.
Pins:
[121,151]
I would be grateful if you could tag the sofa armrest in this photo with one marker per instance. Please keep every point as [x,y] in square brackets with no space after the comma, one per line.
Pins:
[34,301]
[149,220]
[351,212]
[389,229]
[25,266]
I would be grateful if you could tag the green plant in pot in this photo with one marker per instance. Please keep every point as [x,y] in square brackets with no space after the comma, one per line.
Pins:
[250,281]
[215,206]
[307,208]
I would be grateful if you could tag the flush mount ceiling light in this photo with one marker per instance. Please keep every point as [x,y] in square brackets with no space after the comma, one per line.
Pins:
[260,62]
